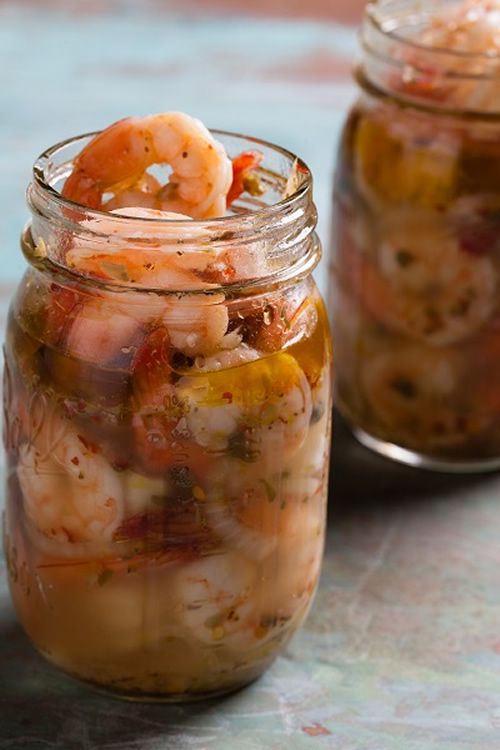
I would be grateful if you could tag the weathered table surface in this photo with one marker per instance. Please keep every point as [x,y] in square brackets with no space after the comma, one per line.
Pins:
[402,648]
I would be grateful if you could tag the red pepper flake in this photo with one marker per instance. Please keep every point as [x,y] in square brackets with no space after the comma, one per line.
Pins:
[228,396]
[75,460]
[243,164]
[316,730]
[89,445]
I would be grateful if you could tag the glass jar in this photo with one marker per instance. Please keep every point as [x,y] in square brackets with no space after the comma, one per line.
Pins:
[416,247]
[167,436]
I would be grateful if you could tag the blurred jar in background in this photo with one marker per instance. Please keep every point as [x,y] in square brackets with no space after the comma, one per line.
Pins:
[416,237]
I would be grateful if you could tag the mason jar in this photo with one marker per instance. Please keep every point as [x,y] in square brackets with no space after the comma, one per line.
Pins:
[416,244]
[167,435]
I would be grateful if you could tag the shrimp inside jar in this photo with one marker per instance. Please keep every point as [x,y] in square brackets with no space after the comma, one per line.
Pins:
[167,430]
[415,275]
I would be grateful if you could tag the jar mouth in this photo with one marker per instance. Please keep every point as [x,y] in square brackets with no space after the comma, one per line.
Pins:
[45,173]
[377,14]
[277,224]
[404,58]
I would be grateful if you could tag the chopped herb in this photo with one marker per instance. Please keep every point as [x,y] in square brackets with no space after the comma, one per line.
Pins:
[317,412]
[461,307]
[181,476]
[270,491]
[115,270]
[252,184]
[104,576]
[228,235]
[239,446]
[404,387]
[404,258]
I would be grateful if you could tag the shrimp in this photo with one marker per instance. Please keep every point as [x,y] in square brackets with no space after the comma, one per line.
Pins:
[425,285]
[162,440]
[292,572]
[415,395]
[71,493]
[471,30]
[113,321]
[119,156]
[196,324]
[229,599]
[243,506]
[165,254]
[471,27]
[215,598]
[103,328]
[171,253]
[252,507]
[260,408]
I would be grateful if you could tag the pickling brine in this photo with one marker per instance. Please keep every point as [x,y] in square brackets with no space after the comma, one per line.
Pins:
[416,237]
[167,409]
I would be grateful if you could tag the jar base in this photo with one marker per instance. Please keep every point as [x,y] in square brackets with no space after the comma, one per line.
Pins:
[174,698]
[138,696]
[420,460]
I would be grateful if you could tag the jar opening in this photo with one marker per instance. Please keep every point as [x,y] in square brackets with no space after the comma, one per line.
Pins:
[273,228]
[443,54]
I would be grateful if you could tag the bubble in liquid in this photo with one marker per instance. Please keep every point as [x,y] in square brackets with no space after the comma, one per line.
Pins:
[268,315]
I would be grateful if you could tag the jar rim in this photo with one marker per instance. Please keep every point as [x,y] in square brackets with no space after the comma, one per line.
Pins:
[447,80]
[374,13]
[44,160]
[281,231]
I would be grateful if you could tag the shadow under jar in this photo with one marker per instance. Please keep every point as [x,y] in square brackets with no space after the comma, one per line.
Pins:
[416,247]
[167,445]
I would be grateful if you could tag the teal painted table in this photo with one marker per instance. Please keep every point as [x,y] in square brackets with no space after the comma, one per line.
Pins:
[402,648]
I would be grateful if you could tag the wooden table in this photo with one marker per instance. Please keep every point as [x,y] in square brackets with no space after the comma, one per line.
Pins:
[402,648]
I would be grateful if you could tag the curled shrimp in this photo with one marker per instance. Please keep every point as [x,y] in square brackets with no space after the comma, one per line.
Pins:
[412,393]
[244,507]
[215,599]
[269,571]
[293,569]
[170,259]
[119,156]
[196,323]
[171,253]
[258,408]
[469,29]
[253,508]
[424,285]
[71,493]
